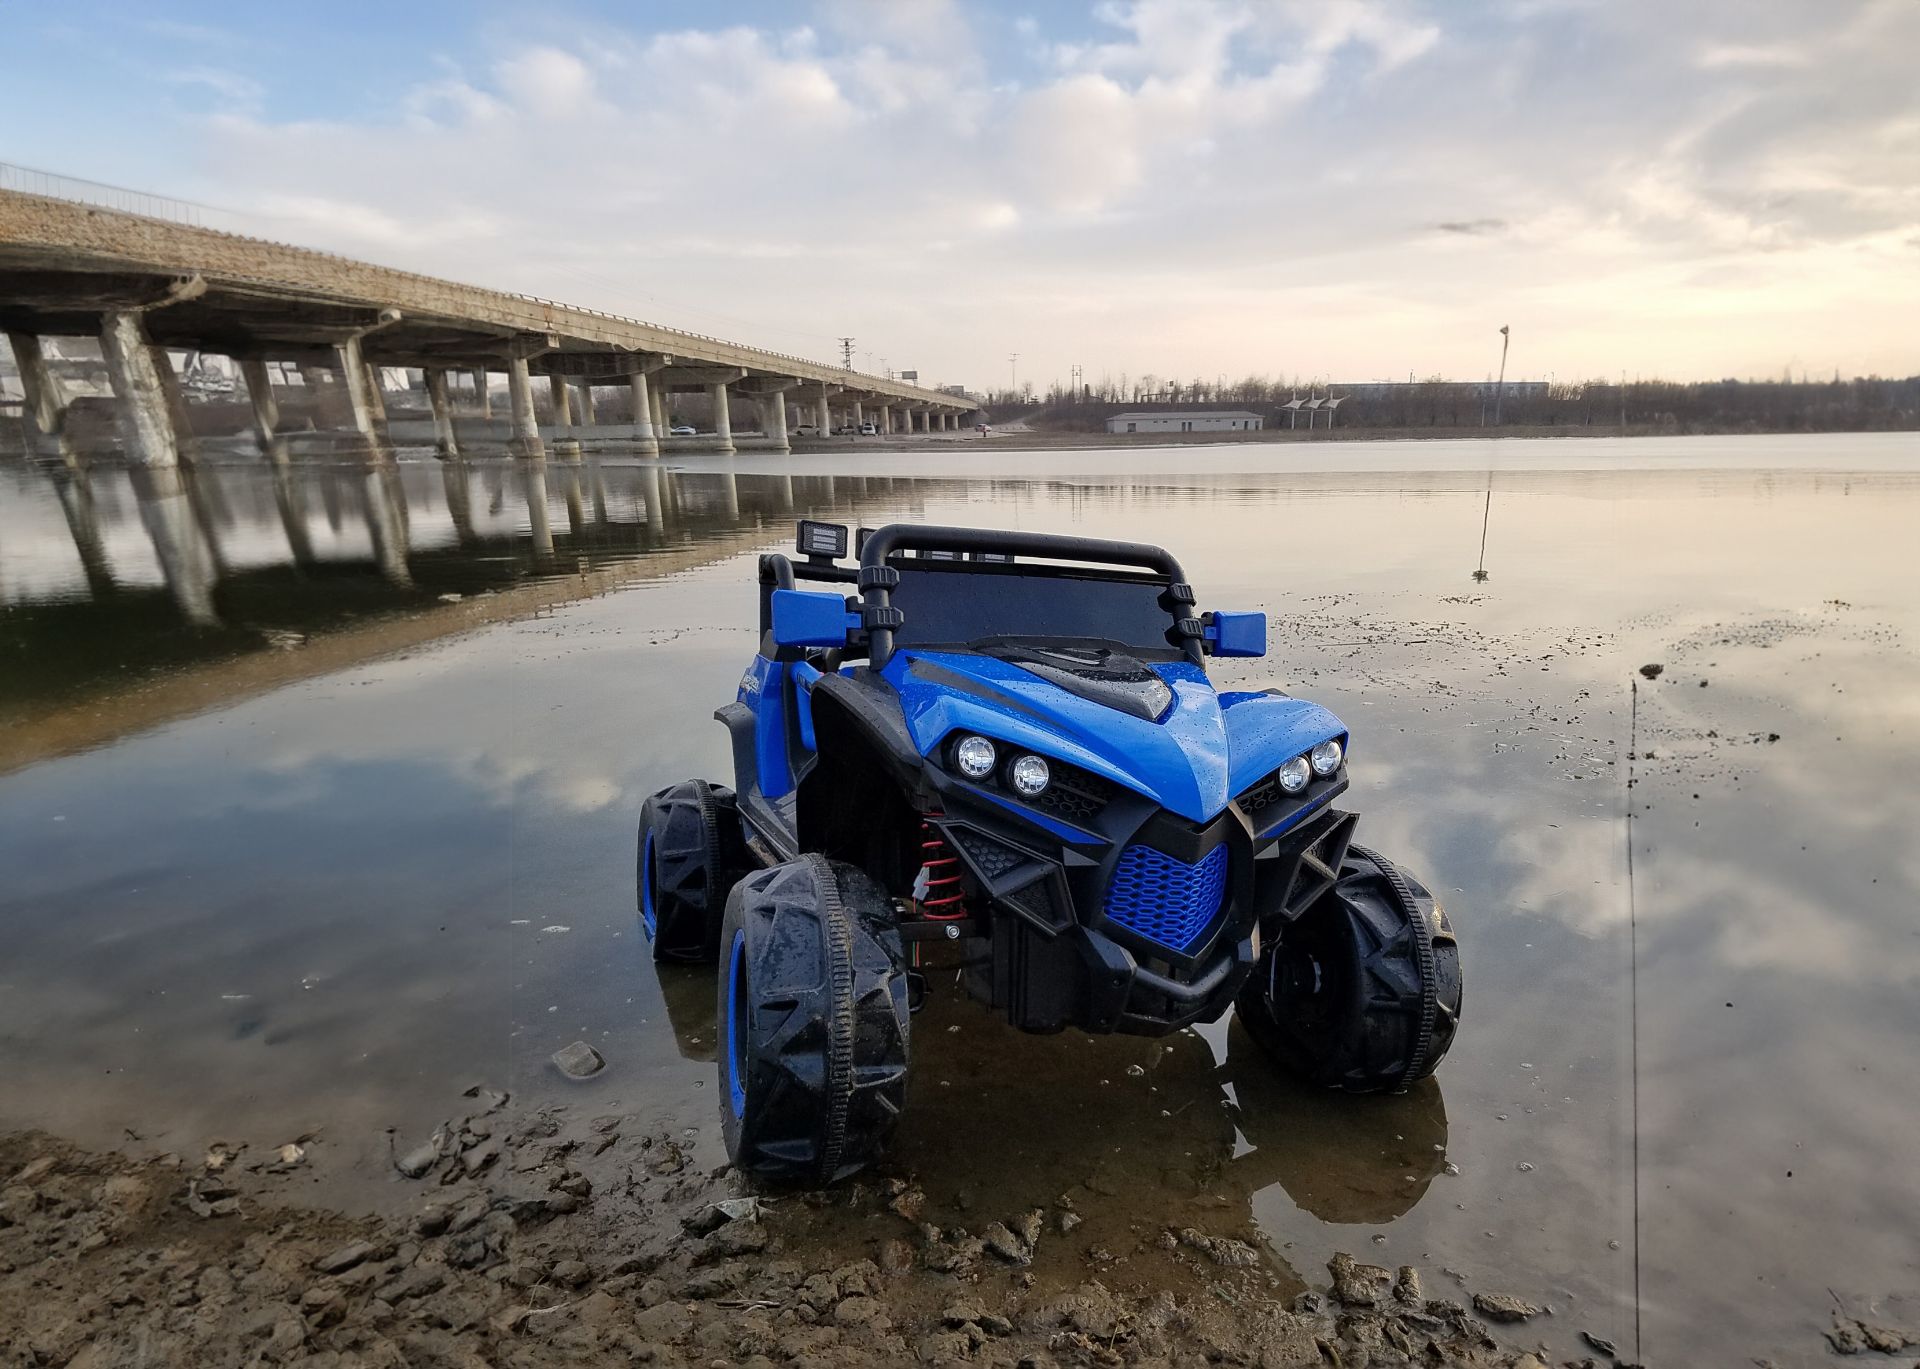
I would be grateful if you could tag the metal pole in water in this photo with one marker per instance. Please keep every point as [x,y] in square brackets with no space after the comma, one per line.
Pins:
[1500,389]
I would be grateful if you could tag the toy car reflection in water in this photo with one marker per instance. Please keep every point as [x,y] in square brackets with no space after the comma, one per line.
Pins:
[1003,756]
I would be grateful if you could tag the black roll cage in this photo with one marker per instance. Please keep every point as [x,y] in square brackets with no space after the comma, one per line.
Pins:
[876,579]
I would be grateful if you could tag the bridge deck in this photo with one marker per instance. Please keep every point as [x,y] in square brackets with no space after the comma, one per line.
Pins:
[62,263]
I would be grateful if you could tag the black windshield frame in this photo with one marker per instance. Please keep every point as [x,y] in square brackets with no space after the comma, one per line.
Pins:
[878,572]
[980,606]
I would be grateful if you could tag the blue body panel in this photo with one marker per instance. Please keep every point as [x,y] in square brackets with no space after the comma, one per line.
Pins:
[1263,730]
[763,690]
[1204,750]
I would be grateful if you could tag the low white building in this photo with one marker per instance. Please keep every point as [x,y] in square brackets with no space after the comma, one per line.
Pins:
[1185,421]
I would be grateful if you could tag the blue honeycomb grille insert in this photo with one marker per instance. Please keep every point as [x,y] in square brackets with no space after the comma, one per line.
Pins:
[1167,901]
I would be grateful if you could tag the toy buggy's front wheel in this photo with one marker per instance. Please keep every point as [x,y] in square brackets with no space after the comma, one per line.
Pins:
[1362,991]
[690,855]
[813,1021]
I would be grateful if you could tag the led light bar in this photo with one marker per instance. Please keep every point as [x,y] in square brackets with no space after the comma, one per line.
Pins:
[823,540]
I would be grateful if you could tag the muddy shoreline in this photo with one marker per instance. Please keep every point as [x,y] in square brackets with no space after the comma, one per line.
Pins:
[550,1237]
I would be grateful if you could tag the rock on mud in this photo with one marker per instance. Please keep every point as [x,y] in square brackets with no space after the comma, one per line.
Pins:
[579,1061]
[1220,1249]
[1359,1285]
[346,1257]
[1503,1307]
[1009,1247]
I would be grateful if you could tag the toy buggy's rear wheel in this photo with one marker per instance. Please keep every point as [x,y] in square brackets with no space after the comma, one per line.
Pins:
[1362,991]
[813,1021]
[689,857]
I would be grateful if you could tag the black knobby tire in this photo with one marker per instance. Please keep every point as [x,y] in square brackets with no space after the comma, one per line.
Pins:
[690,855]
[1362,991]
[813,1022]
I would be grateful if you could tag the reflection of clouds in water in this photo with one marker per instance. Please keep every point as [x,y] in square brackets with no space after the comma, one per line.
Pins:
[1502,822]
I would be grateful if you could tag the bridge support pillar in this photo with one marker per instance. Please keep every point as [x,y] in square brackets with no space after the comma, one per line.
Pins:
[722,419]
[142,378]
[367,415]
[776,422]
[662,415]
[526,430]
[859,416]
[46,400]
[557,396]
[444,441]
[585,416]
[266,408]
[823,416]
[645,442]
[377,397]
[885,420]
[482,395]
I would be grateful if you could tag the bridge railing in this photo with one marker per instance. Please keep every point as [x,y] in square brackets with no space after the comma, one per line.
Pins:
[32,181]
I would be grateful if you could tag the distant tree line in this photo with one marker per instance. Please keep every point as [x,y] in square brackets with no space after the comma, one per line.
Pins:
[1869,403]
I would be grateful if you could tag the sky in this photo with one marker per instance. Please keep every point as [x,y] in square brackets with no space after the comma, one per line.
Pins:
[1186,189]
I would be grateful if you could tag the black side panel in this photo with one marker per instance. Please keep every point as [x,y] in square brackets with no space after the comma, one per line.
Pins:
[739,722]
[772,828]
[875,709]
[860,801]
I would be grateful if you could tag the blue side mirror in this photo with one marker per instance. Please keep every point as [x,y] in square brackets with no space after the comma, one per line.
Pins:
[1236,634]
[803,618]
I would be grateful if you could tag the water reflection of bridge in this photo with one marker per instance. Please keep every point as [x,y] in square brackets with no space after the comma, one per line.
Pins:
[111,577]
[209,526]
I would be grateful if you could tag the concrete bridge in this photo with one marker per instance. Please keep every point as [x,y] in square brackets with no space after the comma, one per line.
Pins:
[143,285]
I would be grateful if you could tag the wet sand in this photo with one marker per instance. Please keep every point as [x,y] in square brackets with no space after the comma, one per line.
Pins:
[324,909]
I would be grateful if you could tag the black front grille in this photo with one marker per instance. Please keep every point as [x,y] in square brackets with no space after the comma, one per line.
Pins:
[988,856]
[1263,795]
[1075,797]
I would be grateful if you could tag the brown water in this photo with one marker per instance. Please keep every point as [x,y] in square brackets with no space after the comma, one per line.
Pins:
[292,843]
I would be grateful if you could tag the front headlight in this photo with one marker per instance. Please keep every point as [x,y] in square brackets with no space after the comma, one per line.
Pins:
[975,757]
[1031,776]
[1326,757]
[1293,776]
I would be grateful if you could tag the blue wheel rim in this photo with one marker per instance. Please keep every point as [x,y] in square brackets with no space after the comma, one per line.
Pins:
[736,1024]
[648,919]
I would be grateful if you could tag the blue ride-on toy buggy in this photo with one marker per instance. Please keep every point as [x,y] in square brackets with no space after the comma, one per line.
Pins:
[1002,755]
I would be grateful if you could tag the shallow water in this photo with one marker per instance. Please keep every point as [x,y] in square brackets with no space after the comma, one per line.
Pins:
[293,843]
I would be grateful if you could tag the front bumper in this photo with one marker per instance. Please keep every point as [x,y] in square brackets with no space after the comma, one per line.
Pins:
[1131,919]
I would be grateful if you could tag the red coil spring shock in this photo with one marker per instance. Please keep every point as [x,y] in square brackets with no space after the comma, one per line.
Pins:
[945,899]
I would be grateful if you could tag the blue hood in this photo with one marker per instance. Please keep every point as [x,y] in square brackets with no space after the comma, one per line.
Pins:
[1204,749]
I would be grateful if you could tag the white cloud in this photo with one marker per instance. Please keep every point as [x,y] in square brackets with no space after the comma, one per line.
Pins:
[1179,186]
[228,85]
[1716,56]
[547,82]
